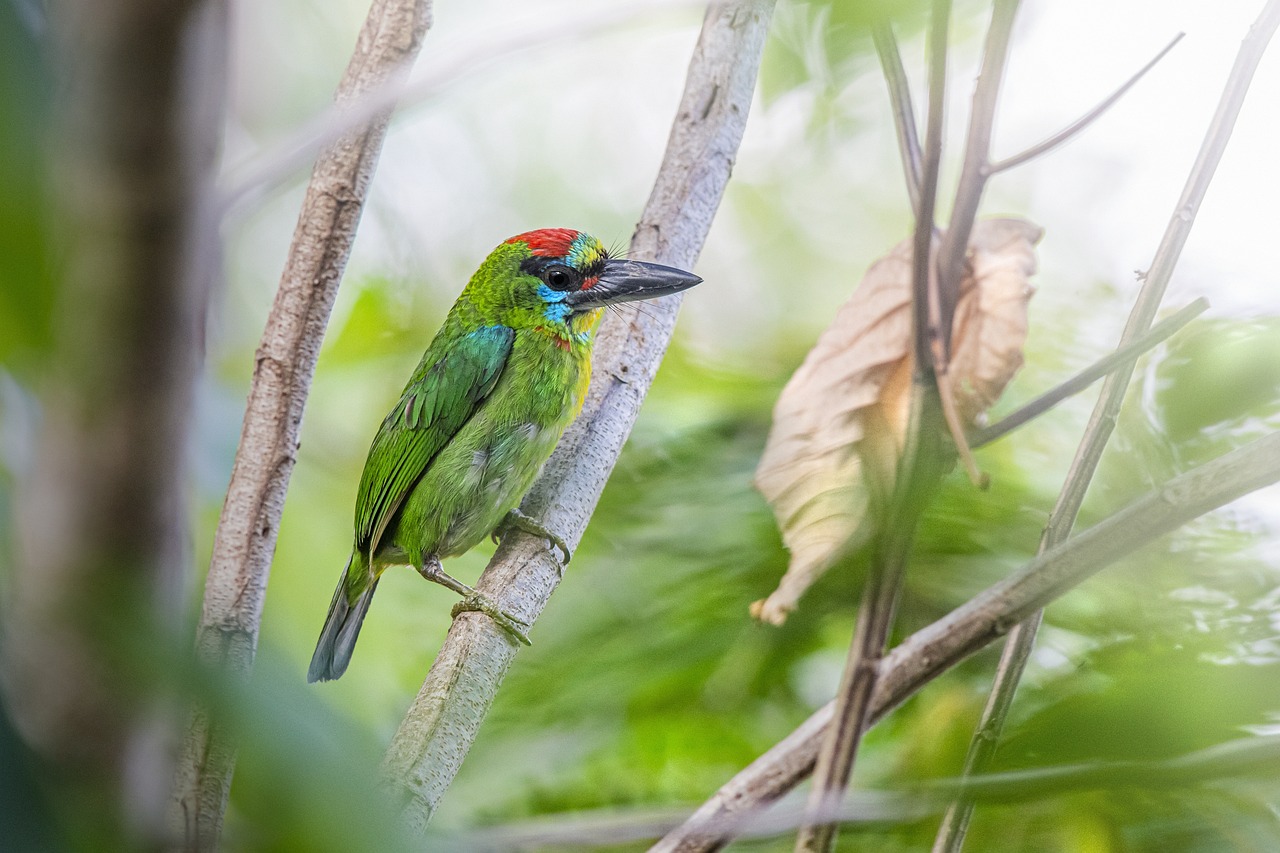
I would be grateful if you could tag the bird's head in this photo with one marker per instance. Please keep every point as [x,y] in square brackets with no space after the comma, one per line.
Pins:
[559,279]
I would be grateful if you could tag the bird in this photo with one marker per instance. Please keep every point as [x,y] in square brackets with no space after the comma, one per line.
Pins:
[500,382]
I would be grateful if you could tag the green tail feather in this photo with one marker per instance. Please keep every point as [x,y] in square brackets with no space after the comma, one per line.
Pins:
[341,628]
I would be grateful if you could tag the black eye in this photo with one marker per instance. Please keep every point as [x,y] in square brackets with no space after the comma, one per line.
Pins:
[559,278]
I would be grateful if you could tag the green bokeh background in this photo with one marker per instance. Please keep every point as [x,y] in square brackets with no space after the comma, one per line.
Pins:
[647,684]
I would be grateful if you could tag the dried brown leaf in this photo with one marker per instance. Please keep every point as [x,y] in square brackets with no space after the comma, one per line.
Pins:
[840,424]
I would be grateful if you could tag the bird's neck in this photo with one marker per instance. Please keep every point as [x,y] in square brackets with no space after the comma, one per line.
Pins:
[573,335]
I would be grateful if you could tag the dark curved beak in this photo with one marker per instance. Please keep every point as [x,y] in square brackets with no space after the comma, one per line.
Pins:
[628,281]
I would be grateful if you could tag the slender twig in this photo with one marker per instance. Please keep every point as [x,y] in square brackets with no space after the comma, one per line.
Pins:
[1062,519]
[955,242]
[428,749]
[921,270]
[933,650]
[1160,332]
[1062,136]
[904,116]
[973,176]
[1241,758]
[899,515]
[245,540]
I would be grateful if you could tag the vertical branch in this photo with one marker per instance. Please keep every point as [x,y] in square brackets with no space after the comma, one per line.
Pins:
[1062,519]
[244,543]
[973,175]
[102,529]
[896,525]
[904,115]
[435,735]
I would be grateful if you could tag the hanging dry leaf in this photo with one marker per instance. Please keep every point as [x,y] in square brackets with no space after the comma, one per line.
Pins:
[840,424]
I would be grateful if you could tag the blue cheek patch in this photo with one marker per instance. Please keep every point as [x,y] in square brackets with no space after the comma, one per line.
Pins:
[557,311]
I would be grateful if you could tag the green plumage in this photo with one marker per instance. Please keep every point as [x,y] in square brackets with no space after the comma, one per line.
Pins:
[500,382]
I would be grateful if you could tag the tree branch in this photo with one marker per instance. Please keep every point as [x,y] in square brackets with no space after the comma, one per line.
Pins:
[896,505]
[245,541]
[1063,136]
[904,116]
[933,650]
[427,751]
[1098,431]
[1162,331]
[973,176]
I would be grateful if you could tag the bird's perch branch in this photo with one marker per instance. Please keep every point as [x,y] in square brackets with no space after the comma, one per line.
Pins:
[427,751]
[1098,431]
[245,541]
[933,650]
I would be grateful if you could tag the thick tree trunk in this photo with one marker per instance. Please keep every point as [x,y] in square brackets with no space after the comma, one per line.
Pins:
[102,524]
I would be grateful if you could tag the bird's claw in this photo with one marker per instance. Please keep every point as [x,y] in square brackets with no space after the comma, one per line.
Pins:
[517,519]
[477,602]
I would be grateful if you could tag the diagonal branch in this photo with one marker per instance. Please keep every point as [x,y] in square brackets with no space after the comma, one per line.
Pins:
[1101,424]
[427,751]
[1159,333]
[227,636]
[1064,135]
[935,649]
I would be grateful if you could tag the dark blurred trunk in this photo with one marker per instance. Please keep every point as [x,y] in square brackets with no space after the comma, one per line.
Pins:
[103,543]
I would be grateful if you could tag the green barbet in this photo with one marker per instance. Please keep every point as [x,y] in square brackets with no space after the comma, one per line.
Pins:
[503,378]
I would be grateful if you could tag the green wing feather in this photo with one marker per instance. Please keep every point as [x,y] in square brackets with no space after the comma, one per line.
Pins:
[434,406]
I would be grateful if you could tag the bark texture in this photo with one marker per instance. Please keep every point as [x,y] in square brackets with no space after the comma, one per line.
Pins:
[284,364]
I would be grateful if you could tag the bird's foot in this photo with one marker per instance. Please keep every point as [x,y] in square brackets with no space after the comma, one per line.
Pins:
[520,521]
[481,603]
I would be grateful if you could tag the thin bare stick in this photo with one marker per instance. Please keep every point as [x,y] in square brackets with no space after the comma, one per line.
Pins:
[1159,333]
[1098,431]
[427,751]
[1062,136]
[895,527]
[933,650]
[227,636]
[973,176]
[951,254]
[904,116]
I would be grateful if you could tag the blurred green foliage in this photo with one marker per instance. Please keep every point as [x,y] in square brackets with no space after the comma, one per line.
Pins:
[26,292]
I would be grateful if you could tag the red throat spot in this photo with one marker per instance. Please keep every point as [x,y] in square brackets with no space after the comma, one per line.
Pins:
[548,242]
